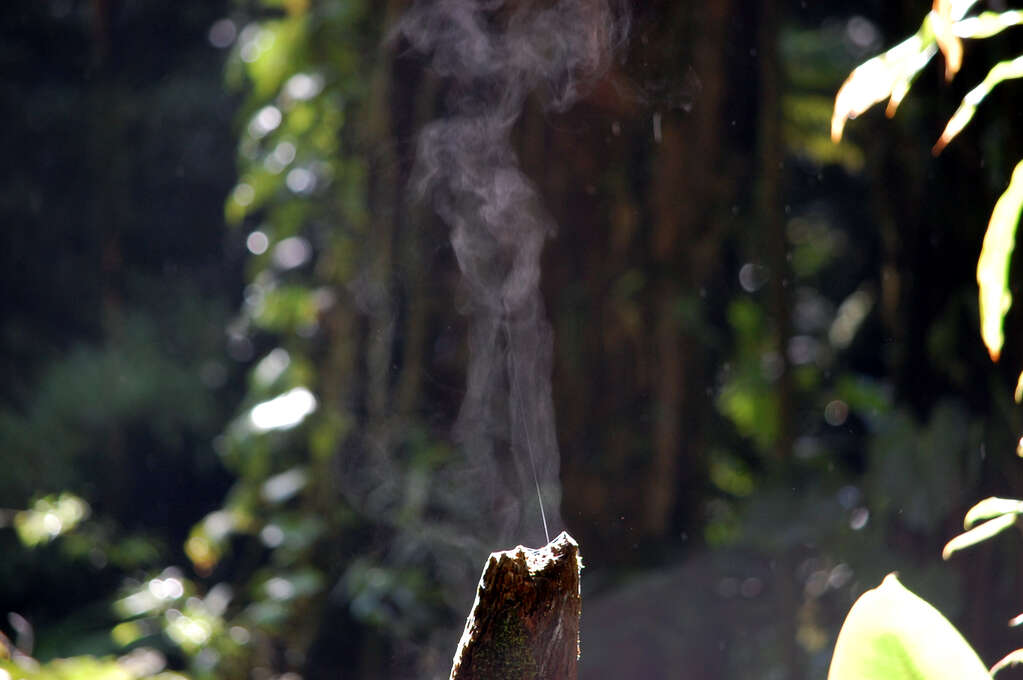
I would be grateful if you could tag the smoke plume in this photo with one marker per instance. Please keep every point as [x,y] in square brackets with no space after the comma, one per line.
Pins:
[495,53]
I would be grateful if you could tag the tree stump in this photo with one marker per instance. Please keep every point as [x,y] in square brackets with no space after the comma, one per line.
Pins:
[524,624]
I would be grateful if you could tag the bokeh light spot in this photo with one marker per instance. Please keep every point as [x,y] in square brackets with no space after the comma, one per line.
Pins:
[840,575]
[751,587]
[166,589]
[257,243]
[859,518]
[254,42]
[283,412]
[222,33]
[272,366]
[52,524]
[302,86]
[752,277]
[272,535]
[283,486]
[266,120]
[282,156]
[243,194]
[240,635]
[280,588]
[851,314]
[817,584]
[292,252]
[862,32]
[301,180]
[802,349]
[836,412]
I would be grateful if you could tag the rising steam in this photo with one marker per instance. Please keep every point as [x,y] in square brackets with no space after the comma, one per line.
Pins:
[495,53]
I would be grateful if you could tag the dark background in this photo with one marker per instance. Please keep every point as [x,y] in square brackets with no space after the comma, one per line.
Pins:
[769,381]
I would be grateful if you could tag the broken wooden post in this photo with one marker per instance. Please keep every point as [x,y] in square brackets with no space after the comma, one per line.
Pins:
[524,624]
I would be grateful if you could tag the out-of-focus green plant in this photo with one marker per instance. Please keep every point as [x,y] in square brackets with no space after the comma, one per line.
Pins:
[50,517]
[891,634]
[285,563]
[302,560]
[138,665]
[890,75]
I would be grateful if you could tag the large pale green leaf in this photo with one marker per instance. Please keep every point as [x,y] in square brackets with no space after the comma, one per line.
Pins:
[891,634]
[993,264]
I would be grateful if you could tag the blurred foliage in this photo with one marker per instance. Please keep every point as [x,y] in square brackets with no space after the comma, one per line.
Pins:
[49,517]
[85,668]
[116,377]
[890,76]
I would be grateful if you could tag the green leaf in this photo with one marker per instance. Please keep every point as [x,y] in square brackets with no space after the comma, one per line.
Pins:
[892,634]
[991,507]
[1004,70]
[987,24]
[890,75]
[886,76]
[978,534]
[1013,658]
[993,264]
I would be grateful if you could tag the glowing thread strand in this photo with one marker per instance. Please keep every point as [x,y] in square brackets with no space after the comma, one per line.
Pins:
[532,461]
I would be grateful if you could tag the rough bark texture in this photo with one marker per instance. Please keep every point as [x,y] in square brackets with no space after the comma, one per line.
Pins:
[524,624]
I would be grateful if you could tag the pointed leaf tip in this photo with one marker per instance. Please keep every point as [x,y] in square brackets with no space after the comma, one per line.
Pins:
[980,533]
[1013,658]
[993,263]
[991,507]
[892,634]
[948,42]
